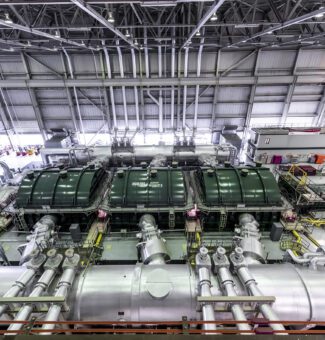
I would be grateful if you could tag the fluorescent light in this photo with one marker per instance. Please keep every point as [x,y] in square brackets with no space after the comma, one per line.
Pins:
[7,19]
[214,17]
[79,29]
[246,25]
[110,18]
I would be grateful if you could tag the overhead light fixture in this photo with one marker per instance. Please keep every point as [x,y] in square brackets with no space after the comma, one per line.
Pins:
[270,32]
[198,33]
[136,42]
[320,15]
[7,18]
[110,18]
[214,17]
[83,43]
[79,29]
[244,41]
[57,34]
[127,34]
[246,25]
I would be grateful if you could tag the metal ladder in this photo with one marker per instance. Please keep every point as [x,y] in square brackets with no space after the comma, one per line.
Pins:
[222,219]
[20,222]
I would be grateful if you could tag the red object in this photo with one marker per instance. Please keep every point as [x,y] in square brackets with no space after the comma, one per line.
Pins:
[276,159]
[320,159]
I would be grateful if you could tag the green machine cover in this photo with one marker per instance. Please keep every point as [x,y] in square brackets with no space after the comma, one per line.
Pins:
[55,188]
[232,186]
[160,187]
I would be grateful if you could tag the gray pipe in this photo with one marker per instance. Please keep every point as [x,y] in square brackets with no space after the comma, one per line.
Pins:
[221,264]
[248,280]
[42,233]
[203,266]
[297,259]
[25,278]
[70,266]
[6,171]
[50,266]
[153,248]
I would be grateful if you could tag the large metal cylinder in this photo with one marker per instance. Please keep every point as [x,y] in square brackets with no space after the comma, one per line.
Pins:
[135,293]
[168,292]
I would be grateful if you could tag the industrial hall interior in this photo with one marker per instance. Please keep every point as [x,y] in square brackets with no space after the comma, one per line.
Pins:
[162,169]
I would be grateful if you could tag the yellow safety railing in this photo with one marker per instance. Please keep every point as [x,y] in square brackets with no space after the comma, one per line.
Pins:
[303,177]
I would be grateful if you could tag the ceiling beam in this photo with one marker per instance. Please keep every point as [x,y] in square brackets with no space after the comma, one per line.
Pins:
[216,5]
[182,81]
[89,10]
[285,24]
[44,34]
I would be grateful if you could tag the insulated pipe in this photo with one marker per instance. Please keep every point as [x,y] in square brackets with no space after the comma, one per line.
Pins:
[42,233]
[75,95]
[203,264]
[69,266]
[222,268]
[24,279]
[297,259]
[153,248]
[41,286]
[111,90]
[247,279]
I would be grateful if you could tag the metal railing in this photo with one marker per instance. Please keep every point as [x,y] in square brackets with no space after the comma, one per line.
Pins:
[259,326]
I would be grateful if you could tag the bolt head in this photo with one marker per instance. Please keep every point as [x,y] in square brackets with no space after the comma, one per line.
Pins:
[203,252]
[221,251]
[51,253]
[35,253]
[69,253]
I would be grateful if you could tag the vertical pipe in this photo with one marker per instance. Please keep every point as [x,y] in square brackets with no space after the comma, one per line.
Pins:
[111,90]
[136,98]
[197,87]
[120,58]
[160,101]
[185,90]
[75,95]
[172,102]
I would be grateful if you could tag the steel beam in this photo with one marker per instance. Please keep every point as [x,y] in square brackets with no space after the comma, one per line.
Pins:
[177,81]
[44,34]
[216,5]
[89,10]
[283,25]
